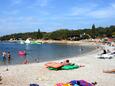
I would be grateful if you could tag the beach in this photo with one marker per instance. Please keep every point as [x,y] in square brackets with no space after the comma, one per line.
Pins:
[25,74]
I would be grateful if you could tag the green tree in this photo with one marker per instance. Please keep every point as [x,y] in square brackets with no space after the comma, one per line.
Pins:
[93,31]
[39,34]
[113,34]
[60,34]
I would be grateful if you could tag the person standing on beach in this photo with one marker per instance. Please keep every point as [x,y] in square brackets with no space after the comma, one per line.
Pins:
[9,57]
[104,51]
[4,57]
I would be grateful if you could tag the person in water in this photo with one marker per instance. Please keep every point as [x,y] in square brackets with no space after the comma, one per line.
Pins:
[9,57]
[4,57]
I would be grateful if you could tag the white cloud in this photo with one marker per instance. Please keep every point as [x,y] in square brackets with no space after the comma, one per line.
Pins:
[107,12]
[44,3]
[82,9]
[113,5]
[13,24]
[93,11]
[10,12]
[16,2]
[79,11]
[39,3]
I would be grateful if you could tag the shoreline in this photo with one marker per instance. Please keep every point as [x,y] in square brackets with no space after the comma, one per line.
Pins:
[82,53]
[23,75]
[65,41]
[78,56]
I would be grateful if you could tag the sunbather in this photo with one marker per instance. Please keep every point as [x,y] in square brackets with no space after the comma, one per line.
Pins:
[109,71]
[59,65]
[67,62]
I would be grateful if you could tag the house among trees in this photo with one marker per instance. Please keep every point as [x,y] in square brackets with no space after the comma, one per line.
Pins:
[74,37]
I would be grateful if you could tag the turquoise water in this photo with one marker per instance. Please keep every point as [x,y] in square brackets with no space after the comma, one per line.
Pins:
[41,52]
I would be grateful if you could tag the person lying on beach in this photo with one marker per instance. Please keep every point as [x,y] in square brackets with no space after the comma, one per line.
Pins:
[66,62]
[109,71]
[58,65]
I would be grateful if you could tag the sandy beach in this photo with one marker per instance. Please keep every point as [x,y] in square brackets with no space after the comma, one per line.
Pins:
[23,75]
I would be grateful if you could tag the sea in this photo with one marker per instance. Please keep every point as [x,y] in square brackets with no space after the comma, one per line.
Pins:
[41,52]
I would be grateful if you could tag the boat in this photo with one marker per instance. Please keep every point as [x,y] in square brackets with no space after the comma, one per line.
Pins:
[28,41]
[21,42]
[36,42]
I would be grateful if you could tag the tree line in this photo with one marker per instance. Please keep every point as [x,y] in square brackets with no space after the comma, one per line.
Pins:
[65,34]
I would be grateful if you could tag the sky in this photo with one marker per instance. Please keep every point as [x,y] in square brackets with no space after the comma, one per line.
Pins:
[49,15]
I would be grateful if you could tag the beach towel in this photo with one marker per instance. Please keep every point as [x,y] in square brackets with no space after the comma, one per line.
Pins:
[62,84]
[51,68]
[59,84]
[69,67]
[75,83]
[106,56]
[81,83]
[66,67]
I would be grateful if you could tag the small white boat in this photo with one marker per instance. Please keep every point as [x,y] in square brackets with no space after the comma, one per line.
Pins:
[27,41]
[21,42]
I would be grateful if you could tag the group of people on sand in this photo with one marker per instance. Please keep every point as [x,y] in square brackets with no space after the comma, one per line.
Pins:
[106,51]
[6,56]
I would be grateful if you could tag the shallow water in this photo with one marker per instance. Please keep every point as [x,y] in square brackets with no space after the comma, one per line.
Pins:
[42,52]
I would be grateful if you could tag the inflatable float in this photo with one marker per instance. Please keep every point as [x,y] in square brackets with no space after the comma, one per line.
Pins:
[21,53]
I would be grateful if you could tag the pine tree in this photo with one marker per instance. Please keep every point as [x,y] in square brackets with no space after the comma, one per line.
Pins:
[93,31]
[39,34]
